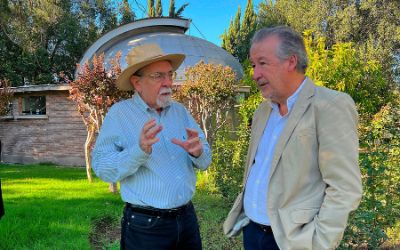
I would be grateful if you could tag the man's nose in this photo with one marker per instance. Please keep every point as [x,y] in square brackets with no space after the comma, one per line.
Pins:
[167,81]
[256,73]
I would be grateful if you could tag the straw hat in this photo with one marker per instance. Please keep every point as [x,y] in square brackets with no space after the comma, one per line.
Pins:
[141,56]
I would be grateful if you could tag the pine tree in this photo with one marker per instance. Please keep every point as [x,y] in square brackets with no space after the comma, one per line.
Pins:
[158,8]
[231,38]
[171,12]
[127,13]
[247,30]
[150,9]
[226,39]
[178,13]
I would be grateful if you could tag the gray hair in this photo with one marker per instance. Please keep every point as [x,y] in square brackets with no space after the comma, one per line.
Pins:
[291,43]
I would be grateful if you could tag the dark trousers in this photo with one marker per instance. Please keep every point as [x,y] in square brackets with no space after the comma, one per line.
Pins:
[146,231]
[255,238]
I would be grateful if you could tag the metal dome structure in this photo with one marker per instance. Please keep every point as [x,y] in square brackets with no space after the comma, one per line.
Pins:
[169,34]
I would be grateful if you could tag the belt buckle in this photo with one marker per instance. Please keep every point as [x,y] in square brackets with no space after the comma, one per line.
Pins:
[175,211]
[266,229]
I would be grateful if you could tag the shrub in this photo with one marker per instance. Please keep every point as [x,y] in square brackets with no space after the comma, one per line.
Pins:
[379,163]
[229,152]
[6,97]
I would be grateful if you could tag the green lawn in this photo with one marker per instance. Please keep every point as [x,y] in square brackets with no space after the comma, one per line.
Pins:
[52,207]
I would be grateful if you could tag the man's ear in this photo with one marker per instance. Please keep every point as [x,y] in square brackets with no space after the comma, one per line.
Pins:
[135,83]
[292,62]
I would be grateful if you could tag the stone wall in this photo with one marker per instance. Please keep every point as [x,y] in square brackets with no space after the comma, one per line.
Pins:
[57,137]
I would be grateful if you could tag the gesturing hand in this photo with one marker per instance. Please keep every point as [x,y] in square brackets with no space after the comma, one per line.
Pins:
[192,145]
[148,135]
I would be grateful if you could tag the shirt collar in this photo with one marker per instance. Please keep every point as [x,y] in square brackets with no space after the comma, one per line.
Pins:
[292,99]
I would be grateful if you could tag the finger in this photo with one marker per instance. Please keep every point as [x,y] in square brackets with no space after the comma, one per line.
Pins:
[193,141]
[150,142]
[178,142]
[152,132]
[146,145]
[196,151]
[192,132]
[149,124]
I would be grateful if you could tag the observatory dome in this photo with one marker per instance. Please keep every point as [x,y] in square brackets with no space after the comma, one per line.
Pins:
[169,34]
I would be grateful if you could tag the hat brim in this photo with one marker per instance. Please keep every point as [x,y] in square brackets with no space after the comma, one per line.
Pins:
[123,80]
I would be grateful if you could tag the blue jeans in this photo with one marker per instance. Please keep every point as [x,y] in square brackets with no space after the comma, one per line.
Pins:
[254,238]
[148,232]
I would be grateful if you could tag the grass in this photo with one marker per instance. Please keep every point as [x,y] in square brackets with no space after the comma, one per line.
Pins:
[54,207]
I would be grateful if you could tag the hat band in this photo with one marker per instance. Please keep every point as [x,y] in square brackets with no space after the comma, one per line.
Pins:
[145,59]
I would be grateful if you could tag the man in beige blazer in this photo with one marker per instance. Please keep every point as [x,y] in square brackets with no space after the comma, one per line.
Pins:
[301,176]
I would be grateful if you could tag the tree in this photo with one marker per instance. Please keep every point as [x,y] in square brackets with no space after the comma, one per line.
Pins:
[171,12]
[158,8]
[342,68]
[209,93]
[237,39]
[247,29]
[379,209]
[127,13]
[39,39]
[24,29]
[270,15]
[6,97]
[372,26]
[231,38]
[94,91]
[179,12]
[150,8]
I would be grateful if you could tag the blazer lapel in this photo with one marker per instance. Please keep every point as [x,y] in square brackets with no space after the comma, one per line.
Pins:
[301,105]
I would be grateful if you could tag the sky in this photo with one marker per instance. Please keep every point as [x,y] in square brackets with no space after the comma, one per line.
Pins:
[209,17]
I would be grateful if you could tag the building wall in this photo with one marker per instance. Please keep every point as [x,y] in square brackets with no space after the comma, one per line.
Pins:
[56,137]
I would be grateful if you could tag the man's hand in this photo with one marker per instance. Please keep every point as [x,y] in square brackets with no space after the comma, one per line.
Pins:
[192,145]
[148,135]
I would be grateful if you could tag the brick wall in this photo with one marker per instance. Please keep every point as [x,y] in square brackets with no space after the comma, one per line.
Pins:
[56,137]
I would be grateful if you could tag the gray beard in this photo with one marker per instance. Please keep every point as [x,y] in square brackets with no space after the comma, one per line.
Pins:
[164,100]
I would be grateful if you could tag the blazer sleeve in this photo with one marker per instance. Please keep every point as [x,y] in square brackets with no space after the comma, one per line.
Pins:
[337,123]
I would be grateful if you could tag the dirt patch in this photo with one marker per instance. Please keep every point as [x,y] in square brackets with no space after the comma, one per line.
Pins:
[104,231]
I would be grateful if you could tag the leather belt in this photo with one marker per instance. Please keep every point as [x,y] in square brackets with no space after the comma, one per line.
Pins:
[266,229]
[172,212]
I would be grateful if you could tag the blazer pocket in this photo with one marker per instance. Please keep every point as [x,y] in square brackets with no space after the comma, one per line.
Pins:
[303,216]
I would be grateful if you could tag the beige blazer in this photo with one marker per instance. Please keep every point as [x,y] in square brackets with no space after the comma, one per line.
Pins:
[314,180]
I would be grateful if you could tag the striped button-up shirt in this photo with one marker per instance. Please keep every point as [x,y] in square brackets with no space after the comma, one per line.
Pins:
[165,178]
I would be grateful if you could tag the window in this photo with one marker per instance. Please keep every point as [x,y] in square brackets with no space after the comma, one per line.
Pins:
[34,105]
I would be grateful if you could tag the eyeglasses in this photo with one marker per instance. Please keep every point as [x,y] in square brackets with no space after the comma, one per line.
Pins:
[161,76]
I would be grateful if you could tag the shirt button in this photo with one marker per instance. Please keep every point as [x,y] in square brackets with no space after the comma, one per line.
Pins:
[172,157]
[257,182]
[179,197]
[253,205]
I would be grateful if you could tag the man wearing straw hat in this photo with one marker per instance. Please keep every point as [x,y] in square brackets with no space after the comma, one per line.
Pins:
[152,145]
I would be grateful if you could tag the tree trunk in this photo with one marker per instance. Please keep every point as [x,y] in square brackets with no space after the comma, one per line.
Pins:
[113,188]
[88,143]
